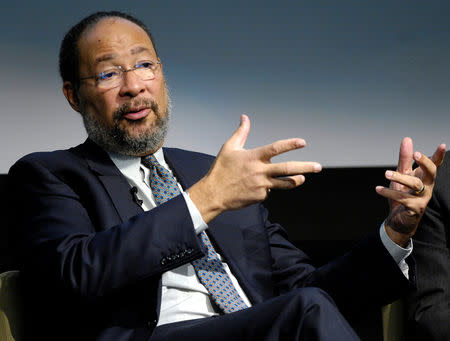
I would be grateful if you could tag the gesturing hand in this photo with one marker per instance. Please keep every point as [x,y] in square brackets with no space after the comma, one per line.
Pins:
[410,190]
[240,177]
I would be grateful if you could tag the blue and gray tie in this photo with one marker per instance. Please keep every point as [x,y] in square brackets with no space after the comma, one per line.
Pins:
[209,268]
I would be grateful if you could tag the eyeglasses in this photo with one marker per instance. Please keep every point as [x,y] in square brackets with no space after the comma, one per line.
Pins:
[113,77]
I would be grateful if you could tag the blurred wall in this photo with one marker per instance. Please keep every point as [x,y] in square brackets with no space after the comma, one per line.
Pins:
[351,77]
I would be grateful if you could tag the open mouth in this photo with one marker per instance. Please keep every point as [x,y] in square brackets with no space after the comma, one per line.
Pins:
[135,114]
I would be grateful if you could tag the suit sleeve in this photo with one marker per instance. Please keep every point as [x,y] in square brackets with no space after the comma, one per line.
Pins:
[59,240]
[429,304]
[366,276]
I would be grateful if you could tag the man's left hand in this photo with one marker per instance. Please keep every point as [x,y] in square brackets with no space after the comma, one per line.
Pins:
[410,190]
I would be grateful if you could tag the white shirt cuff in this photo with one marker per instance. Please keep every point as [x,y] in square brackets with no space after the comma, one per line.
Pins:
[197,220]
[396,251]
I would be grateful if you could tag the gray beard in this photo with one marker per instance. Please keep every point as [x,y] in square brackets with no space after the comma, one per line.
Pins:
[117,140]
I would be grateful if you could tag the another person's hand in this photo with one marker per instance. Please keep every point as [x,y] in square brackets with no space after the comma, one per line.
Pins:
[410,190]
[241,177]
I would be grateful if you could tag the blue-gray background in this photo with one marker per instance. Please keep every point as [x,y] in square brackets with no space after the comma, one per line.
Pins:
[351,77]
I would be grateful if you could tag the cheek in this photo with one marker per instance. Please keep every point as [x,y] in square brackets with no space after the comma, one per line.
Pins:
[159,90]
[163,95]
[100,107]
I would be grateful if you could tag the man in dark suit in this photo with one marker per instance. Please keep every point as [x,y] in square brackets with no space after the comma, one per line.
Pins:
[429,305]
[125,240]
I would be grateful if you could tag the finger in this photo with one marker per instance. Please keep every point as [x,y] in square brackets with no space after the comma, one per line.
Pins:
[292,168]
[412,182]
[237,140]
[279,147]
[410,201]
[439,155]
[287,182]
[405,156]
[426,170]
[428,167]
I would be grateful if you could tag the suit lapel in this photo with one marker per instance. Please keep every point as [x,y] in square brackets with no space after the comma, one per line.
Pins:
[114,182]
[228,241]
[184,169]
[120,193]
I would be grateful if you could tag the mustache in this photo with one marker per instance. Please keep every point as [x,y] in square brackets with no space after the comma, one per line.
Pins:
[125,108]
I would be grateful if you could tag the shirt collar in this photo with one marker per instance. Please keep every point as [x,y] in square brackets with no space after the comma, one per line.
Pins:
[130,165]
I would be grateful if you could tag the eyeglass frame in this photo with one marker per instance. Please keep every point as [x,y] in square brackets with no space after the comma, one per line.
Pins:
[123,71]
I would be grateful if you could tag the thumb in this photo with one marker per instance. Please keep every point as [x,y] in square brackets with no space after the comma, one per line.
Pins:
[237,140]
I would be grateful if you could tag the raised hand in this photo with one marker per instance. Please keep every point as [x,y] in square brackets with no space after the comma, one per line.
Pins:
[241,177]
[410,190]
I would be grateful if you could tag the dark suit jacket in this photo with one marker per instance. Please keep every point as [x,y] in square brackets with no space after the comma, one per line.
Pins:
[429,305]
[93,259]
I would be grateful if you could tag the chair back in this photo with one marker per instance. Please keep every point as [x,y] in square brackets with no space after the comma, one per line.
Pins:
[393,316]
[11,309]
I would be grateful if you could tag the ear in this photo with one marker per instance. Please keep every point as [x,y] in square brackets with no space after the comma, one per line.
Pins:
[71,95]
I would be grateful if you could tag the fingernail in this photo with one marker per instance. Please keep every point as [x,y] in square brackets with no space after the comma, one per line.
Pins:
[317,167]
[417,156]
[388,174]
[299,143]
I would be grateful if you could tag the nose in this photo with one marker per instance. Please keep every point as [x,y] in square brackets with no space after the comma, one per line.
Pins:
[131,85]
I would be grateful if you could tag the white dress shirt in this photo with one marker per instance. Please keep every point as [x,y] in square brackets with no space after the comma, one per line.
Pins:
[183,296]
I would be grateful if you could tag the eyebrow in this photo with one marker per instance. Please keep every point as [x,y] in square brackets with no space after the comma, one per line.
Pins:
[104,58]
[109,56]
[139,49]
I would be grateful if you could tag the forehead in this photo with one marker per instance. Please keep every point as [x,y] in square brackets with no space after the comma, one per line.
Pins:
[112,37]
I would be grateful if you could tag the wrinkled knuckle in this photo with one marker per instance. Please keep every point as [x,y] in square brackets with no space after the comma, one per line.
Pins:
[288,183]
[418,184]
[285,168]
[274,149]
[258,182]
[398,175]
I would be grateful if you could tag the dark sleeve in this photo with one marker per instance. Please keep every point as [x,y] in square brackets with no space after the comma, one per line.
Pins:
[367,276]
[61,243]
[429,305]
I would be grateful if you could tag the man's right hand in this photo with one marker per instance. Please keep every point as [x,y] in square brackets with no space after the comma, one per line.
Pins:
[241,177]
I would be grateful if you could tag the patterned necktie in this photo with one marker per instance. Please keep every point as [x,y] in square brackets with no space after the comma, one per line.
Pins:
[209,268]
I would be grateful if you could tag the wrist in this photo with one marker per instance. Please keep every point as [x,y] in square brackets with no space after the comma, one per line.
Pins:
[205,197]
[398,238]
